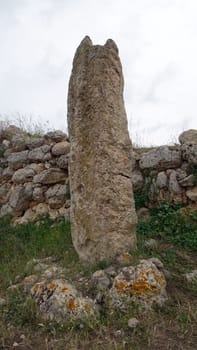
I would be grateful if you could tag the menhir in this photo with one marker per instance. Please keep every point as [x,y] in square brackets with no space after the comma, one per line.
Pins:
[103,217]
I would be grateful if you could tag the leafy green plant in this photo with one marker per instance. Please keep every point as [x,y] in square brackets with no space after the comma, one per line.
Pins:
[167,222]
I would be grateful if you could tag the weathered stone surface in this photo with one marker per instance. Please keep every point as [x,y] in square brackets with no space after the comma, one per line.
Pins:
[133,322]
[101,279]
[56,136]
[103,215]
[161,158]
[23,175]
[62,162]
[58,299]
[38,194]
[189,152]
[192,194]
[32,143]
[61,148]
[16,160]
[188,136]
[6,210]
[18,142]
[56,196]
[144,284]
[7,173]
[137,180]
[10,131]
[6,144]
[50,176]
[39,154]
[161,181]
[4,193]
[180,174]
[188,181]
[173,183]
[19,198]
[3,162]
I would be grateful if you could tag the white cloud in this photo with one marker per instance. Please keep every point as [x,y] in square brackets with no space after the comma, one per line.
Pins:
[158,50]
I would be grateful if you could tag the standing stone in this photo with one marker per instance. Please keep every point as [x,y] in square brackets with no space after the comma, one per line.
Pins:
[103,216]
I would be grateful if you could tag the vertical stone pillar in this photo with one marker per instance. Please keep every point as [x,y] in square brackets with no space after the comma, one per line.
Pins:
[103,217]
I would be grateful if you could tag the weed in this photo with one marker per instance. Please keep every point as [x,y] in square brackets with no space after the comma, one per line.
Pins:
[167,222]
[171,326]
[21,243]
[19,309]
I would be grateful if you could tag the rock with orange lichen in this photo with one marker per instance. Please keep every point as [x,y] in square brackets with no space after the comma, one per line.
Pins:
[143,283]
[59,300]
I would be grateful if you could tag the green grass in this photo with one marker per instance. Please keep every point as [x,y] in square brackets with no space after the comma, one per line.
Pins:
[170,224]
[169,327]
[21,243]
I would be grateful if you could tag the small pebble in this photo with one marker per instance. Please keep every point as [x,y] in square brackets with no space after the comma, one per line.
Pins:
[133,322]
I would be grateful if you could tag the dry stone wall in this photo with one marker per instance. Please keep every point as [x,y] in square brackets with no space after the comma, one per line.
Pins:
[34,174]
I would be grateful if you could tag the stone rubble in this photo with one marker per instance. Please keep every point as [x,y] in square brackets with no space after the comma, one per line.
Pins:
[30,188]
[115,287]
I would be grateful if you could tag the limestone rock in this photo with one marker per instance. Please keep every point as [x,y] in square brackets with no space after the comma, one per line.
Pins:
[16,160]
[192,194]
[161,158]
[188,136]
[144,284]
[56,196]
[103,217]
[18,142]
[3,162]
[173,183]
[56,136]
[6,144]
[50,176]
[101,279]
[23,175]
[161,180]
[40,154]
[133,322]
[4,193]
[19,198]
[38,194]
[6,210]
[7,173]
[137,180]
[61,148]
[11,131]
[62,162]
[32,143]
[58,299]
[187,181]
[189,152]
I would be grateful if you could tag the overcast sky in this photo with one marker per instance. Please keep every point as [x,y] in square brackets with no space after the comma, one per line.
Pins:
[157,42]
